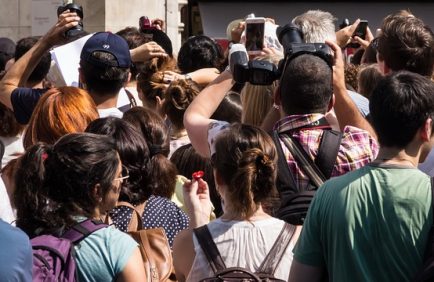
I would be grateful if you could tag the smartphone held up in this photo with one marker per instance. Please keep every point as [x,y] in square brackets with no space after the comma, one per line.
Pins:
[360,32]
[255,31]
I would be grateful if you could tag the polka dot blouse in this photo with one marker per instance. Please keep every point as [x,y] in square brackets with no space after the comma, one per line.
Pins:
[159,212]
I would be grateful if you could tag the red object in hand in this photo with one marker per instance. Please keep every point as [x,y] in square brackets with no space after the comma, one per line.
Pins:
[197,175]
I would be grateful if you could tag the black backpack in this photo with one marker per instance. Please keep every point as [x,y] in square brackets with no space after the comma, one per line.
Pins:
[266,269]
[295,200]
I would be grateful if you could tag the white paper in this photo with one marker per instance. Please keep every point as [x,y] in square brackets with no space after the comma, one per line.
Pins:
[67,59]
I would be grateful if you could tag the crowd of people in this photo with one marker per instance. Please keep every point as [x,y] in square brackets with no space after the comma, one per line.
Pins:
[313,177]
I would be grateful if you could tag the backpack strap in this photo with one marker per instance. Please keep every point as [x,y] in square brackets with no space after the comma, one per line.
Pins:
[328,151]
[284,175]
[274,256]
[208,246]
[83,229]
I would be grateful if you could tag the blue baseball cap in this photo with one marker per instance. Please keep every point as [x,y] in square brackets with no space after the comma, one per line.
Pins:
[109,43]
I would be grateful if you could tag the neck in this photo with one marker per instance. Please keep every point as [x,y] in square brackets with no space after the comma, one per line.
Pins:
[105,101]
[398,156]
[259,214]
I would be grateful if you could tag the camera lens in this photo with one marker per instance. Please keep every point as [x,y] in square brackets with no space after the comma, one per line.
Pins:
[288,35]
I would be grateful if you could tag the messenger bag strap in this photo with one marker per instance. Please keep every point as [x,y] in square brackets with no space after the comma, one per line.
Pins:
[284,174]
[136,222]
[328,151]
[275,255]
[83,229]
[208,246]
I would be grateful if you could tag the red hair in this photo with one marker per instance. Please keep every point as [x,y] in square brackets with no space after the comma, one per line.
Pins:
[60,111]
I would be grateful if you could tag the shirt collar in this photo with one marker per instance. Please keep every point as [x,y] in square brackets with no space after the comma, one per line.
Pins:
[295,121]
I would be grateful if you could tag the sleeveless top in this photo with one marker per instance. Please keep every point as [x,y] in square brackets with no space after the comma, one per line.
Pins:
[243,244]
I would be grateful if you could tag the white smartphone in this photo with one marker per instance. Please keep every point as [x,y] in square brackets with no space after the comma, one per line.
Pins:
[255,30]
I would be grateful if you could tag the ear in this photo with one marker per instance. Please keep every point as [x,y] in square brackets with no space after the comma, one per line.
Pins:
[218,178]
[128,79]
[426,130]
[331,103]
[382,65]
[81,79]
[96,192]
[277,96]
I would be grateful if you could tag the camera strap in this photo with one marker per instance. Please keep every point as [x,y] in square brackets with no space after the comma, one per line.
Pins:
[319,170]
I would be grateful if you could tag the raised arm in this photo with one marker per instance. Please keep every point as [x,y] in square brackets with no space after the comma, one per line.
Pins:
[20,71]
[197,117]
[345,109]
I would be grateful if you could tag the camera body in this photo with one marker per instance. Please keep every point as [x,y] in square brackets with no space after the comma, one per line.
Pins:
[74,8]
[145,24]
[263,72]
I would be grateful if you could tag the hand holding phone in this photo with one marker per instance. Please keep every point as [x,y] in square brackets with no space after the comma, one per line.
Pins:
[360,32]
[255,30]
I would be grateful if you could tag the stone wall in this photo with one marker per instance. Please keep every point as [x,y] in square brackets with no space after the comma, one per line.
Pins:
[99,15]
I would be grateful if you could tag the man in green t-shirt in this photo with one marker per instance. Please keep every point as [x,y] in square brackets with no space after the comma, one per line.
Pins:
[372,224]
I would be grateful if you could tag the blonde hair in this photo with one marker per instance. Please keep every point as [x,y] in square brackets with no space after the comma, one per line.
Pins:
[257,100]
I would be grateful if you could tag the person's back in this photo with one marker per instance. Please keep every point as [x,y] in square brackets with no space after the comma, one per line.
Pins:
[16,254]
[306,95]
[372,224]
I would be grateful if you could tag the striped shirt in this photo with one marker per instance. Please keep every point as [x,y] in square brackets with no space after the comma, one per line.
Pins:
[357,148]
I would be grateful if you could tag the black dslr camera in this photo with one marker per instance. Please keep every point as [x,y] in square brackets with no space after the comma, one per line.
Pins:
[73,8]
[263,72]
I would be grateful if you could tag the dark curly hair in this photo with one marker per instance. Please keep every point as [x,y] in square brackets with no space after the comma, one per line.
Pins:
[200,52]
[154,130]
[177,98]
[55,183]
[134,154]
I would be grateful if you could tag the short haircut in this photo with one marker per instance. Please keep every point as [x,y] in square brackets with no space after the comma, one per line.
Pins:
[199,52]
[406,43]
[316,26]
[103,80]
[368,78]
[399,107]
[306,85]
[42,68]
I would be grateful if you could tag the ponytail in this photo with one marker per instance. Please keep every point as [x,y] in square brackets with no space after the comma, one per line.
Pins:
[31,195]
[252,183]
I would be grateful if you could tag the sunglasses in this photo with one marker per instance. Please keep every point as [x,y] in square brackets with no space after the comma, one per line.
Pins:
[125,174]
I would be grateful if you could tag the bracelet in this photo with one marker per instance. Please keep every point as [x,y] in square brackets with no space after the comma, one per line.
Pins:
[187,77]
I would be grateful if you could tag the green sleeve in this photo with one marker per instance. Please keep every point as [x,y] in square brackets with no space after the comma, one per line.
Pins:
[308,249]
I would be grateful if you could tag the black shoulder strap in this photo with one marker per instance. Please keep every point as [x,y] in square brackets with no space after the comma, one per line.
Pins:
[328,151]
[304,161]
[285,176]
[276,253]
[133,102]
[2,151]
[208,246]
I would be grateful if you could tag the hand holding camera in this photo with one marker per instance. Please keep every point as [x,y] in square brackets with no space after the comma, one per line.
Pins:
[78,10]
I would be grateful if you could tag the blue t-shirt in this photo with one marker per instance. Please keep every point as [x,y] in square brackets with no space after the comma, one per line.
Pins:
[24,101]
[15,254]
[102,255]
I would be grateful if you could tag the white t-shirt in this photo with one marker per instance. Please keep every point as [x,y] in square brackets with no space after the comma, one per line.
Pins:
[242,244]
[6,211]
[13,145]
[110,112]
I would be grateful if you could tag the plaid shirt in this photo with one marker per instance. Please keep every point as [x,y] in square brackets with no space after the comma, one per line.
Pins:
[357,148]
